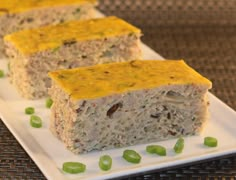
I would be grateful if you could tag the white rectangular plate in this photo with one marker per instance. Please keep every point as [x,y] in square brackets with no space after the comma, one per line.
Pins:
[49,153]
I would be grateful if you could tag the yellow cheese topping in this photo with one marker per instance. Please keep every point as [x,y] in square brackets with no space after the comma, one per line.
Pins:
[54,36]
[114,78]
[16,6]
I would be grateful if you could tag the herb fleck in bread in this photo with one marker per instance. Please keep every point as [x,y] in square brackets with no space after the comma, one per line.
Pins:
[121,104]
[35,52]
[17,15]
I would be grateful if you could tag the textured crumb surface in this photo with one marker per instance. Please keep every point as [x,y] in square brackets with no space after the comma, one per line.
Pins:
[34,14]
[129,117]
[28,72]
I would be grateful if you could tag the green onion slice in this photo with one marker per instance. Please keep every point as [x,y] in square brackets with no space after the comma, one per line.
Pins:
[210,141]
[35,121]
[179,145]
[151,149]
[49,102]
[29,110]
[131,156]
[73,167]
[156,149]
[105,162]
[2,73]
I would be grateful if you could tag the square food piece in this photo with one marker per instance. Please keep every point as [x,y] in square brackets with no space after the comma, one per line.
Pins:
[72,44]
[122,104]
[17,15]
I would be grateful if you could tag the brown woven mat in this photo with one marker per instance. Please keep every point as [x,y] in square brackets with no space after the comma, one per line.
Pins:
[203,32]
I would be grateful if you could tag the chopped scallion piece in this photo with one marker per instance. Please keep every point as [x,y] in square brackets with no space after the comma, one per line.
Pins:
[49,102]
[156,149]
[151,149]
[131,156]
[2,73]
[77,10]
[105,162]
[73,167]
[56,49]
[161,151]
[179,146]
[35,121]
[210,141]
[29,110]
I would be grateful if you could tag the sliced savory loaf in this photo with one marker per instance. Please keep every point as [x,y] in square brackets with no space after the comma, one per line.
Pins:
[17,15]
[72,44]
[121,104]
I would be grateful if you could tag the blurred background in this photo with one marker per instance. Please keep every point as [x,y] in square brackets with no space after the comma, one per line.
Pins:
[202,32]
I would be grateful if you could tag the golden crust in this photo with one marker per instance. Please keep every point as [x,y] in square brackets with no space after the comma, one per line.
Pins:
[107,79]
[54,36]
[17,6]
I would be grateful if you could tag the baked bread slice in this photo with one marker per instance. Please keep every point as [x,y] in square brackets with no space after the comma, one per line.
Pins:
[34,52]
[122,104]
[17,15]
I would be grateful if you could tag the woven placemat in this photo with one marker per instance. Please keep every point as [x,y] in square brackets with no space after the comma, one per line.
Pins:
[201,32]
